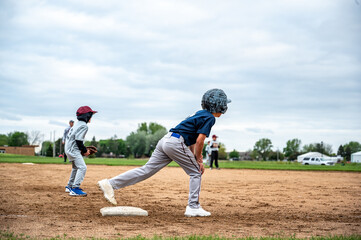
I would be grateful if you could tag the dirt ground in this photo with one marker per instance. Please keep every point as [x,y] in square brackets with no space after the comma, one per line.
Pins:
[242,202]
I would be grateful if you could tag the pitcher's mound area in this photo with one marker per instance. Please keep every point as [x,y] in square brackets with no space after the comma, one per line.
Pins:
[123,211]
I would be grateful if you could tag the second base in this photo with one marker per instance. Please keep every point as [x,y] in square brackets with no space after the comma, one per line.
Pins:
[123,211]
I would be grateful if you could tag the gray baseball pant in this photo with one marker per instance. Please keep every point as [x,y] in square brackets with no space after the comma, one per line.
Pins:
[168,148]
[78,171]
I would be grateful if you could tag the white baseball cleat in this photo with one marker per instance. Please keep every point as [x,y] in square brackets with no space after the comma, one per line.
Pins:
[196,212]
[108,191]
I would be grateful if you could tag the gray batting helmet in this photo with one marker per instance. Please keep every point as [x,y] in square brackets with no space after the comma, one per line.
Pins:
[215,101]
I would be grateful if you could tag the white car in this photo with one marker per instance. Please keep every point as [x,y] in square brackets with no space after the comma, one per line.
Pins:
[317,161]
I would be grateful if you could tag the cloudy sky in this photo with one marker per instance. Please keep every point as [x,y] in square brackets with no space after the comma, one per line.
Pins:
[292,68]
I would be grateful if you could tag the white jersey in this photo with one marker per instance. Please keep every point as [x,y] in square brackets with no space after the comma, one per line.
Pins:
[214,145]
[76,133]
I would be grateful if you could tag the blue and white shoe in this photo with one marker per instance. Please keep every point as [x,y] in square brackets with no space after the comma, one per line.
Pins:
[77,192]
[67,189]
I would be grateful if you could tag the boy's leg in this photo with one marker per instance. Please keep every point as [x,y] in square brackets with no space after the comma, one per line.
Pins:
[73,172]
[72,175]
[212,159]
[157,161]
[180,153]
[80,174]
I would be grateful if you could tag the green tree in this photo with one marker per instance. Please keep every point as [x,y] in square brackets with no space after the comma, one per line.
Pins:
[152,128]
[263,147]
[17,139]
[49,150]
[153,138]
[144,140]
[44,147]
[354,146]
[109,146]
[137,142]
[155,127]
[341,151]
[348,153]
[350,148]
[3,139]
[321,147]
[113,145]
[143,127]
[222,155]
[94,142]
[102,148]
[122,148]
[59,147]
[292,148]
[234,154]
[274,156]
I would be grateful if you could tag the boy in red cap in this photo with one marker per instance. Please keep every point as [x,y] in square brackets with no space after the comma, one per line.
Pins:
[75,150]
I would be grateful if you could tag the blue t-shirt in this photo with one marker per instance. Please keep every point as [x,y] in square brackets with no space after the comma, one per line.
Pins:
[201,122]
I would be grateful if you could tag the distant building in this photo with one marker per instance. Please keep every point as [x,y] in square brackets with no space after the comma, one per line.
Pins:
[356,157]
[28,150]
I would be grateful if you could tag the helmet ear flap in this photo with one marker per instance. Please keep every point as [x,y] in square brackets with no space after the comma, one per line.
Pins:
[205,105]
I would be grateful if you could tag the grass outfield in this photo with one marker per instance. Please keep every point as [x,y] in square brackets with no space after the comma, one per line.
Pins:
[11,236]
[268,165]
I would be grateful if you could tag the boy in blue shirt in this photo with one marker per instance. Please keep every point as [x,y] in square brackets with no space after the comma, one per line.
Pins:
[183,144]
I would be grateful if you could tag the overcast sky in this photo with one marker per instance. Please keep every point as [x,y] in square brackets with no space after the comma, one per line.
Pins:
[292,68]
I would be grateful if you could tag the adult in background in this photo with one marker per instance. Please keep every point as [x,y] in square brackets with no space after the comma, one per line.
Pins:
[208,153]
[66,131]
[214,150]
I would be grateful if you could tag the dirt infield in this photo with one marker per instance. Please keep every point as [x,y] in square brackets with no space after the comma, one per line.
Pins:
[242,203]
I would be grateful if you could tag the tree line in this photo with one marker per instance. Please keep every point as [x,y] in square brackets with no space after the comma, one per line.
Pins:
[262,150]
[142,142]
[139,143]
[16,138]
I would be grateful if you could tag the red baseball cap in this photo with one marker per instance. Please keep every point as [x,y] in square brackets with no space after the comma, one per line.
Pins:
[84,109]
[214,136]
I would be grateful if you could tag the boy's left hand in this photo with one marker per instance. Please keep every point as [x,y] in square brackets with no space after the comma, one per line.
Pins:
[201,168]
[87,153]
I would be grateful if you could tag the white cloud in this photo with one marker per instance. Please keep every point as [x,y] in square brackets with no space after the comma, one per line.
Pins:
[290,67]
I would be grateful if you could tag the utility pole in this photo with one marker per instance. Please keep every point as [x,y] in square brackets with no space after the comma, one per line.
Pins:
[60,143]
[54,144]
[51,137]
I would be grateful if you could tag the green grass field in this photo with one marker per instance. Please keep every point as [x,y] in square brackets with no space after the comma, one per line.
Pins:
[264,165]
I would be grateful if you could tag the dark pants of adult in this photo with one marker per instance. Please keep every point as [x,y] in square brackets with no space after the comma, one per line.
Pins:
[65,157]
[214,157]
